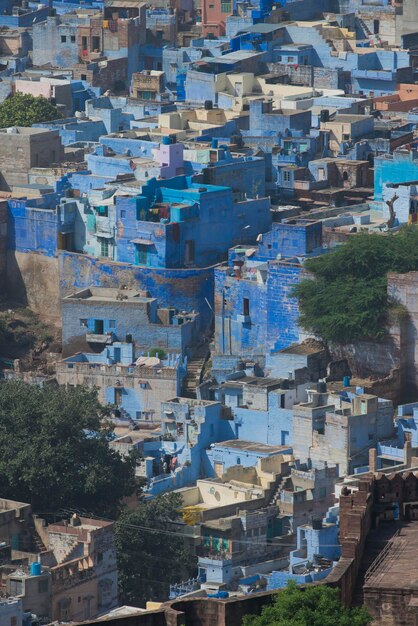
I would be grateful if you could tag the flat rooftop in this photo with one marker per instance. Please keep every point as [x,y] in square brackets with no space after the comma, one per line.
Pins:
[251,446]
[109,294]
[396,567]
[23,130]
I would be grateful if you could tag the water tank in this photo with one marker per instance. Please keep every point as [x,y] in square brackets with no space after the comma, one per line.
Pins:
[214,144]
[346,381]
[322,387]
[316,523]
[35,569]
[208,105]
[166,141]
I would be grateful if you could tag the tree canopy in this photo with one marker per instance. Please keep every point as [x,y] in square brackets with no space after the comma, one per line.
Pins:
[54,451]
[314,606]
[346,299]
[149,560]
[24,110]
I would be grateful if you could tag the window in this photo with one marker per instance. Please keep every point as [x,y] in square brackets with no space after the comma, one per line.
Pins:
[346,137]
[100,557]
[16,587]
[103,211]
[104,247]
[84,323]
[143,385]
[95,43]
[13,621]
[112,323]
[246,306]
[211,6]
[118,395]
[123,213]
[63,38]
[290,59]
[238,460]
[286,176]
[83,76]
[226,7]
[84,43]
[70,366]
[43,586]
[371,436]
[72,38]
[376,27]
[322,492]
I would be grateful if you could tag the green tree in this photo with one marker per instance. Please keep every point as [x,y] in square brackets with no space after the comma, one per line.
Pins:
[24,110]
[314,606]
[149,560]
[54,452]
[345,299]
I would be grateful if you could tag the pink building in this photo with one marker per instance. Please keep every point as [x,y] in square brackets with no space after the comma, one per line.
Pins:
[214,14]
[169,156]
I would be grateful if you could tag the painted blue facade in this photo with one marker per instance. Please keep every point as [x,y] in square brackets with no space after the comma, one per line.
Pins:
[317,550]
[74,129]
[179,223]
[97,315]
[400,167]
[266,121]
[186,290]
[35,225]
[189,428]
[255,309]
[222,456]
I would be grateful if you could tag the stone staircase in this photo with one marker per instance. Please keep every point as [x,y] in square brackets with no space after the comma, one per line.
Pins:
[74,552]
[366,30]
[194,371]
[276,494]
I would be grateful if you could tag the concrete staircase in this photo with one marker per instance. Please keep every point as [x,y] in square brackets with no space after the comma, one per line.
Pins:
[194,371]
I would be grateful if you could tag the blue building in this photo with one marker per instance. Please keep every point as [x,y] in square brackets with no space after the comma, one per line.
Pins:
[264,120]
[255,311]
[180,223]
[222,456]
[317,551]
[96,317]
[189,427]
[399,167]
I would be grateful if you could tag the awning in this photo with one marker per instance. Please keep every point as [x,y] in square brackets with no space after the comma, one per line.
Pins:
[143,242]
[104,235]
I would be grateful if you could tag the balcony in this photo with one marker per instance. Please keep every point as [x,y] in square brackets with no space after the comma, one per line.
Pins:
[105,339]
